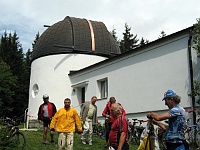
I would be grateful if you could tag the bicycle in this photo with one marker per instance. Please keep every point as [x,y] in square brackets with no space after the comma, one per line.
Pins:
[10,136]
[192,133]
[148,141]
[136,131]
[140,128]
[133,132]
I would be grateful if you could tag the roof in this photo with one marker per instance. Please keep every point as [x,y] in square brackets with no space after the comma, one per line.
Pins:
[186,31]
[75,35]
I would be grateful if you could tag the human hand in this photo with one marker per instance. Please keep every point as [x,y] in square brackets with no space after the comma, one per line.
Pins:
[52,130]
[191,110]
[156,122]
[149,116]
[107,116]
[97,123]
[80,131]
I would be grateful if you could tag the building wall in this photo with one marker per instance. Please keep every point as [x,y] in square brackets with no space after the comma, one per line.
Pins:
[138,81]
[50,73]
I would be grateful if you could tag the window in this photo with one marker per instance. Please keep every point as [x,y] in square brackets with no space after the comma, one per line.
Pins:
[35,90]
[103,88]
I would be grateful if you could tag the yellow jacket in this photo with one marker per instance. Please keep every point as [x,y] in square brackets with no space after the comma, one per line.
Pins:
[65,120]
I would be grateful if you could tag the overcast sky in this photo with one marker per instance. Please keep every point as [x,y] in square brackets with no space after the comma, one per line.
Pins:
[147,18]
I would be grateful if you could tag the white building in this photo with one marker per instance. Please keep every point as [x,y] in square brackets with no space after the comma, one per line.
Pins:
[78,58]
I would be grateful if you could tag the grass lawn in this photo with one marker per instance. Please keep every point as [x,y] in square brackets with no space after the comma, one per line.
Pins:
[34,141]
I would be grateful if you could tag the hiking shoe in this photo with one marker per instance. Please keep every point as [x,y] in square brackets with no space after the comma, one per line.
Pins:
[52,142]
[90,143]
[83,142]
[45,143]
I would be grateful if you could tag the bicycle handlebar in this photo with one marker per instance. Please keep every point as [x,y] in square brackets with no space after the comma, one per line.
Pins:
[14,122]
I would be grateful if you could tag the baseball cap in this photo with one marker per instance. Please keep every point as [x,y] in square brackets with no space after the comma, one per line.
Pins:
[45,96]
[169,94]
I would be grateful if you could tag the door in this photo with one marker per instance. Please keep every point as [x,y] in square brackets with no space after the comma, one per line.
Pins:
[83,95]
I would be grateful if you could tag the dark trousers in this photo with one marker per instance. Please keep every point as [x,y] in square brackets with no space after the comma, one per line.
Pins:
[172,146]
[108,128]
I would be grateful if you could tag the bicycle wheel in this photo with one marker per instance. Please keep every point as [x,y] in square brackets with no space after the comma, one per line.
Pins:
[198,138]
[17,141]
[163,142]
[137,138]
[192,142]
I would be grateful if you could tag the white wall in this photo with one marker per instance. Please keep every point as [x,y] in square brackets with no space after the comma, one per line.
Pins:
[138,81]
[50,73]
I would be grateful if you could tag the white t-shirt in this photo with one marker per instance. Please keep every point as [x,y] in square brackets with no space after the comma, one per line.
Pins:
[45,111]
[90,112]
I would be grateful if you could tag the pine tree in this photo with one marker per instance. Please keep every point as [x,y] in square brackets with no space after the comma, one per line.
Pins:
[143,42]
[7,83]
[196,46]
[129,41]
[36,39]
[113,33]
[12,55]
[196,36]
[162,34]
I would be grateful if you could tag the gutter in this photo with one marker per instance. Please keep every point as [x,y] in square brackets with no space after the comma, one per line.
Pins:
[191,74]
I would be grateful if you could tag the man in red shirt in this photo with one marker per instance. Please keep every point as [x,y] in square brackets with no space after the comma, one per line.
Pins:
[45,113]
[118,136]
[109,119]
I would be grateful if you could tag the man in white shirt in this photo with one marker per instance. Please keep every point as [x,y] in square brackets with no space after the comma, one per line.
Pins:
[89,117]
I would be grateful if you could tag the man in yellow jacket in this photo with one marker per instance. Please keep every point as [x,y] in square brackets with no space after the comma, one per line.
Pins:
[65,120]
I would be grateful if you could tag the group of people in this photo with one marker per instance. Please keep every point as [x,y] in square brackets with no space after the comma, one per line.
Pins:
[66,120]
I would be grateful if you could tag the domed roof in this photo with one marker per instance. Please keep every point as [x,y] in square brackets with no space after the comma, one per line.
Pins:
[75,35]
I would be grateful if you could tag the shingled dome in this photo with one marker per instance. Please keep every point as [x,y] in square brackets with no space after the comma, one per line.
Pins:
[75,35]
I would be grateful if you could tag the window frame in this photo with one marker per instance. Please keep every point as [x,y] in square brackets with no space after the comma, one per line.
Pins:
[102,85]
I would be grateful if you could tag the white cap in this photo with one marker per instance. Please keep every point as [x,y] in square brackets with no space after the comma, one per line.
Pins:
[45,96]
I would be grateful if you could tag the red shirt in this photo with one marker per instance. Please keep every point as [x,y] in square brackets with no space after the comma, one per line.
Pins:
[107,111]
[118,126]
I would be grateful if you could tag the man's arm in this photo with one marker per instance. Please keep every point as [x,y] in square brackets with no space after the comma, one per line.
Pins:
[121,140]
[78,121]
[159,117]
[54,109]
[54,120]
[160,124]
[104,113]
[82,110]
[39,113]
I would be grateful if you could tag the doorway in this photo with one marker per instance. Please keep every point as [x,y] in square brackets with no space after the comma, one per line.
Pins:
[83,95]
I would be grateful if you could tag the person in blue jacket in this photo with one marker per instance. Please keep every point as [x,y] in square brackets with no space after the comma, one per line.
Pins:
[174,137]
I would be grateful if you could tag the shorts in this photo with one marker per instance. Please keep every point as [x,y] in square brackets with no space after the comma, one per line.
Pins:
[46,121]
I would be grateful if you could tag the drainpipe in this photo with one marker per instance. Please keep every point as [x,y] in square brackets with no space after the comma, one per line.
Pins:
[191,74]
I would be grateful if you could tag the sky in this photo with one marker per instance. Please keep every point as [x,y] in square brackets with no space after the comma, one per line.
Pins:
[147,18]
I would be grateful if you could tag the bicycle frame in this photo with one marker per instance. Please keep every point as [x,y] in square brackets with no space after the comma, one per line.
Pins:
[136,131]
[192,133]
